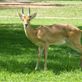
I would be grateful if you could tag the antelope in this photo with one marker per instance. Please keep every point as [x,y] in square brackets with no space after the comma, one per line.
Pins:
[56,34]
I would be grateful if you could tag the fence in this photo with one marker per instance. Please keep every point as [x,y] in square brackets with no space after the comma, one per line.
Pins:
[29,4]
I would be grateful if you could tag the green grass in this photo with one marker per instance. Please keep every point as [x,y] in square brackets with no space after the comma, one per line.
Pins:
[18,55]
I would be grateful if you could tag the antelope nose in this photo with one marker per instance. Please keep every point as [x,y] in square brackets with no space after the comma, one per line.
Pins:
[26,25]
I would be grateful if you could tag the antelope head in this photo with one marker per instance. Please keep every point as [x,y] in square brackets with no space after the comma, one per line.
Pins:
[26,18]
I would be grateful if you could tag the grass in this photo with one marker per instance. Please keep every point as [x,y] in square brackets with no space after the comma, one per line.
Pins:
[18,55]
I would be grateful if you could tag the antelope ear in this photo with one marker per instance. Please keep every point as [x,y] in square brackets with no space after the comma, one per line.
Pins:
[32,16]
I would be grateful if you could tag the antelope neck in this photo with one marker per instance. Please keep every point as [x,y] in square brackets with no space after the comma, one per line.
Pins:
[28,30]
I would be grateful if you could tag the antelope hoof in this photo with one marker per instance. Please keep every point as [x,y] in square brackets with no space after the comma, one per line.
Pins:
[36,68]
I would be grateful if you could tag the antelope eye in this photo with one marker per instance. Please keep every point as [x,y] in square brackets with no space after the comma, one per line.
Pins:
[28,19]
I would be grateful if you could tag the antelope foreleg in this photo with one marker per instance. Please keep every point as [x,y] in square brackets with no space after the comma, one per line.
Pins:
[45,57]
[38,60]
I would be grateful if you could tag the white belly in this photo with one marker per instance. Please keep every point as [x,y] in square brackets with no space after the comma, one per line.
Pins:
[59,42]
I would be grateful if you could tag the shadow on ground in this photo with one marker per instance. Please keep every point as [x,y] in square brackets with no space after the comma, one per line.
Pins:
[13,42]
